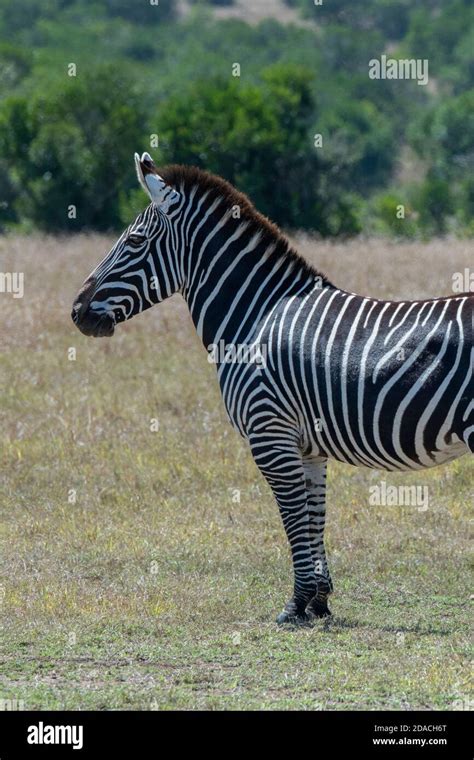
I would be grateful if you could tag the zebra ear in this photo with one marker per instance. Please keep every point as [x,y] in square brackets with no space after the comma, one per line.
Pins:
[160,193]
[140,176]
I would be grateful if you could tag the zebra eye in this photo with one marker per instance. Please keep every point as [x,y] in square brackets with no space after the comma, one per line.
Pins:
[136,239]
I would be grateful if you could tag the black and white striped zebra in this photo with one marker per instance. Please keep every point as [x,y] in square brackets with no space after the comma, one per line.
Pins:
[324,373]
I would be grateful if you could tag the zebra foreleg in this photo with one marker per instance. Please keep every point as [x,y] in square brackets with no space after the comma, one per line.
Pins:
[282,467]
[315,482]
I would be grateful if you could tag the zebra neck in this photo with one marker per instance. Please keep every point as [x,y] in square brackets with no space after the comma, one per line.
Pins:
[236,280]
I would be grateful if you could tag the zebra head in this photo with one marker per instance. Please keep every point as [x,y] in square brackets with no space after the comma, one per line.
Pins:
[141,269]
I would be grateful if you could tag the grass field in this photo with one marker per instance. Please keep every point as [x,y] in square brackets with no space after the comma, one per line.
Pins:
[131,576]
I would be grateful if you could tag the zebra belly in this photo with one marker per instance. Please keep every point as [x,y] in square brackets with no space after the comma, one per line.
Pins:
[438,457]
[399,430]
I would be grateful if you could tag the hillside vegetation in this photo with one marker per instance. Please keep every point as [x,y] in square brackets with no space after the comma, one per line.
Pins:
[284,109]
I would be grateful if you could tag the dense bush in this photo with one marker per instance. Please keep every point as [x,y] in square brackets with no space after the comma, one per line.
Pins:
[72,148]
[258,137]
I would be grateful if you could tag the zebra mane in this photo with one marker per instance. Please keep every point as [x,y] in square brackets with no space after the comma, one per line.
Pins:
[183,178]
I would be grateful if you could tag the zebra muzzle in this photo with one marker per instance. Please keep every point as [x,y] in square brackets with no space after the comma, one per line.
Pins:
[95,324]
[98,324]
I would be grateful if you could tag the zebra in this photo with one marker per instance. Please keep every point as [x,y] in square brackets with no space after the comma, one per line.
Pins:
[331,374]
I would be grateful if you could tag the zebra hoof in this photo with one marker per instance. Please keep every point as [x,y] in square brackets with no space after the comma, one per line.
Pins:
[319,609]
[291,618]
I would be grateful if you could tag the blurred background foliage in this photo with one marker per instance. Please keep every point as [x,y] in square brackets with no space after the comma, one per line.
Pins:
[167,70]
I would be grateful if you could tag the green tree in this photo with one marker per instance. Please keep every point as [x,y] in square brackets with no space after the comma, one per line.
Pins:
[359,145]
[444,137]
[15,63]
[73,148]
[259,137]
[433,201]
